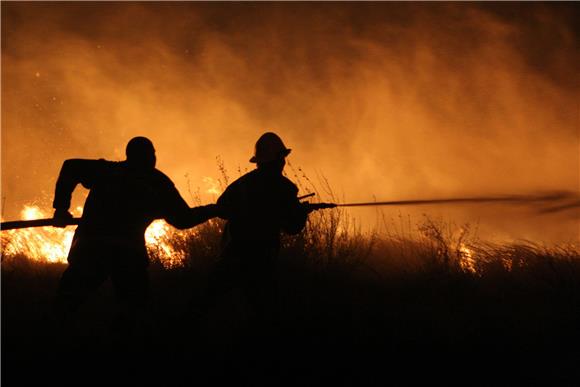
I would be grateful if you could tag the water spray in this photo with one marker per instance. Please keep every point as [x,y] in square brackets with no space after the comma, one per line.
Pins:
[555,199]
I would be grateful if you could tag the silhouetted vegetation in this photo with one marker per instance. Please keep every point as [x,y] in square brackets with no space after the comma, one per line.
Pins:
[354,308]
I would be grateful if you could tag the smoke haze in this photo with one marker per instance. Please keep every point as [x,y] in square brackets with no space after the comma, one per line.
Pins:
[385,100]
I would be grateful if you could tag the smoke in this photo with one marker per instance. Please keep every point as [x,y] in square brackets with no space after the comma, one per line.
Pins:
[385,100]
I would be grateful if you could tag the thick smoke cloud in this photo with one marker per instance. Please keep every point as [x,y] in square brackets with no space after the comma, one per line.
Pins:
[385,100]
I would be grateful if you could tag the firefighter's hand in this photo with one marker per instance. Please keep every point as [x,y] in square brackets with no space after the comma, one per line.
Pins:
[309,207]
[221,211]
[306,207]
[212,210]
[206,212]
[62,218]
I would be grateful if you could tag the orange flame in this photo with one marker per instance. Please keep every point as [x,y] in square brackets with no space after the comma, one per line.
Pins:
[51,244]
[467,261]
[158,239]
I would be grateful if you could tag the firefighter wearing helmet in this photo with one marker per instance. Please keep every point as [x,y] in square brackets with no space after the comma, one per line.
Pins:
[269,148]
[257,207]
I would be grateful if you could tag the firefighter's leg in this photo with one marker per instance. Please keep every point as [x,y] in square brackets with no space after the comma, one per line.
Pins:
[220,281]
[262,335]
[194,343]
[84,274]
[261,288]
[130,280]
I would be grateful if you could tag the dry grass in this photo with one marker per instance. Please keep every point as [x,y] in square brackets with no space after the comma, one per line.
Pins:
[422,303]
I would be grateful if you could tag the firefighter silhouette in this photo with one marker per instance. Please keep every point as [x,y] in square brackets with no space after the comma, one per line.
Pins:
[257,207]
[124,198]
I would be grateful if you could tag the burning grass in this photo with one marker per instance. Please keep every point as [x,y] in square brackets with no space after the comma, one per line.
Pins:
[355,307]
[420,303]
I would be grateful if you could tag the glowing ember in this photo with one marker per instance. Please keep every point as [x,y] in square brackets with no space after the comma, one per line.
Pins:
[507,264]
[31,212]
[466,262]
[51,244]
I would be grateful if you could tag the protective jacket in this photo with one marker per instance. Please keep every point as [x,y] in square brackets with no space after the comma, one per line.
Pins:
[258,207]
[123,201]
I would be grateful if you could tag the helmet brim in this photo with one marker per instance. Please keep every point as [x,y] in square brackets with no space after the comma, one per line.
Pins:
[255,159]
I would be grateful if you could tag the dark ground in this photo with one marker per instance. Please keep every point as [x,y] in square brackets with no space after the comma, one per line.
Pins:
[337,327]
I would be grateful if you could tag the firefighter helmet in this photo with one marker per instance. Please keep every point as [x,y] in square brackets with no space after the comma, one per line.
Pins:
[269,147]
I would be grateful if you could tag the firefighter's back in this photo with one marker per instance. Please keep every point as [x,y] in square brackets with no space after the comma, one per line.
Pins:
[123,201]
[258,207]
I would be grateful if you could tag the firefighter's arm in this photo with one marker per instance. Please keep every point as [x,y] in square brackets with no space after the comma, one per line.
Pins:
[181,216]
[309,207]
[73,172]
[226,202]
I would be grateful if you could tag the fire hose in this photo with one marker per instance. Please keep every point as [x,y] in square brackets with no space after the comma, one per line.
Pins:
[503,199]
[554,198]
[15,224]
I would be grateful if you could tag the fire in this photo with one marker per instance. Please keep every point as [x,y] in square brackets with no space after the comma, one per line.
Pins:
[507,264]
[51,244]
[158,239]
[30,213]
[467,261]
[45,244]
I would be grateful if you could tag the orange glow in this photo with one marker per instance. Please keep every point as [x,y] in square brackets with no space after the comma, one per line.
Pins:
[213,186]
[383,100]
[158,239]
[467,260]
[30,213]
[45,244]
